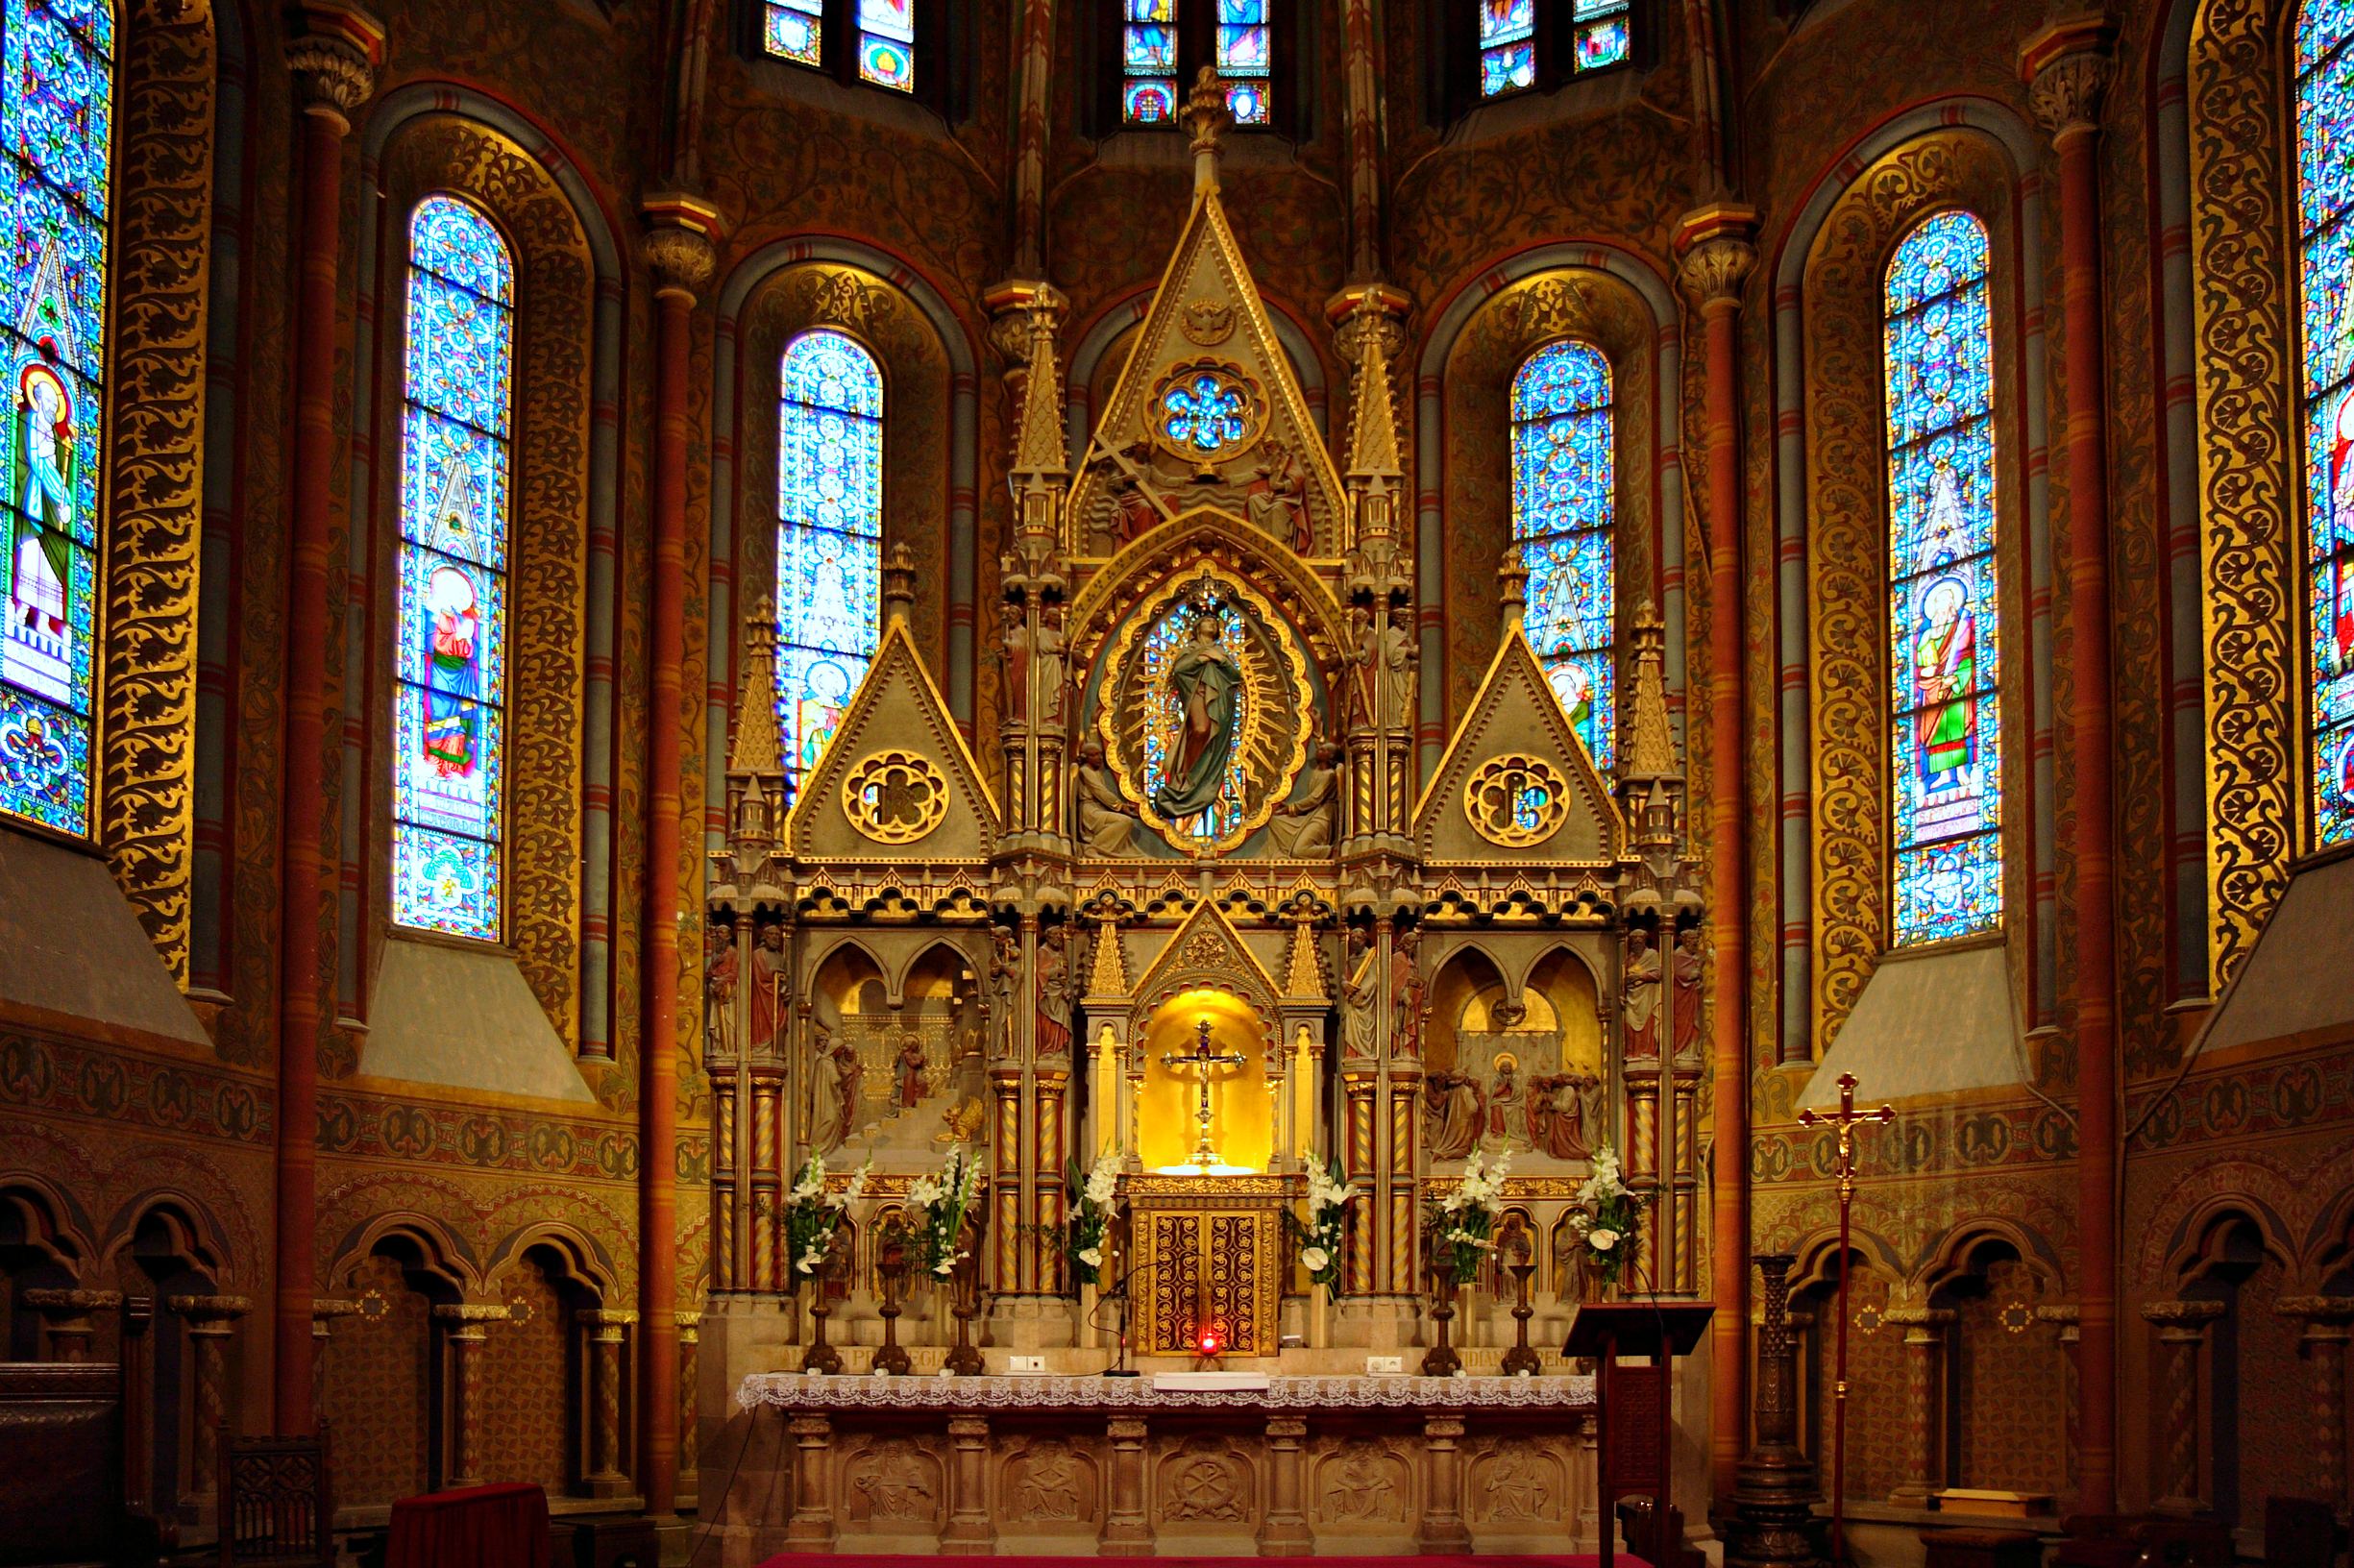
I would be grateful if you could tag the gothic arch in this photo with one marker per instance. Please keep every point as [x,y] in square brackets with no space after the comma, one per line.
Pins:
[1168,552]
[188,1224]
[585,1261]
[441,1255]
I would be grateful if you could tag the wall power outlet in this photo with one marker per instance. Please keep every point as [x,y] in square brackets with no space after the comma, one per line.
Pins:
[1384,1366]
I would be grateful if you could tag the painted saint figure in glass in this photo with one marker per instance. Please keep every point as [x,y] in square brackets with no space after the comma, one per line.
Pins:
[829,536]
[1943,631]
[2325,140]
[1564,512]
[455,470]
[56,114]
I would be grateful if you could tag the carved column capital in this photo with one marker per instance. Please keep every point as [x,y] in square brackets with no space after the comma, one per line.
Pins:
[2318,1313]
[1919,1318]
[2179,1321]
[1714,254]
[210,1315]
[334,58]
[2067,68]
[681,241]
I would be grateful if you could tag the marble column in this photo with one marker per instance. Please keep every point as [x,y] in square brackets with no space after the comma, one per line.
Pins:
[1713,247]
[1284,1531]
[2182,1333]
[333,59]
[1357,1266]
[212,1320]
[324,1312]
[681,251]
[1925,1329]
[2067,68]
[2328,1321]
[606,1330]
[1047,1193]
[1127,1525]
[65,1316]
[468,1327]
[969,1528]
[811,1525]
[1442,1484]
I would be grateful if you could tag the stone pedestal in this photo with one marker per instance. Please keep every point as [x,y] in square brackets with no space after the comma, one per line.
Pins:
[969,1526]
[212,1322]
[1284,1532]
[66,1316]
[1127,1529]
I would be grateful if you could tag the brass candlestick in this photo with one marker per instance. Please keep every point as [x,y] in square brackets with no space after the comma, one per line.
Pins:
[964,1359]
[820,1357]
[1520,1357]
[891,1265]
[1440,1360]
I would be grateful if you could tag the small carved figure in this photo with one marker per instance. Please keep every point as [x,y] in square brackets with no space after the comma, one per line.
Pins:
[1407,992]
[1688,968]
[960,1123]
[1011,647]
[769,966]
[1307,824]
[1362,1488]
[1204,680]
[1049,1488]
[1453,1113]
[1395,665]
[1277,502]
[1640,996]
[1359,679]
[848,1071]
[1558,1111]
[1133,508]
[719,991]
[1505,1100]
[1361,994]
[1054,991]
[912,1071]
[1105,817]
[1004,984]
[1516,1490]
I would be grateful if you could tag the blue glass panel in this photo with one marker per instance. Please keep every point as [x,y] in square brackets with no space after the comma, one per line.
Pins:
[812,690]
[1503,21]
[1245,51]
[2322,26]
[1570,607]
[1249,103]
[2325,169]
[451,611]
[794,32]
[1240,11]
[1148,101]
[1943,603]
[56,140]
[891,19]
[446,883]
[1587,686]
[1564,506]
[1508,69]
[830,585]
[1603,43]
[1204,413]
[2325,163]
[1585,11]
[1152,11]
[829,504]
[1150,50]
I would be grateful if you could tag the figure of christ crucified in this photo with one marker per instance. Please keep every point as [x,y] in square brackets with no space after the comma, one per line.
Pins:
[1203,1060]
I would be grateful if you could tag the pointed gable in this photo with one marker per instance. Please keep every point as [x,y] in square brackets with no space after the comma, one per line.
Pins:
[1207,952]
[930,801]
[1207,317]
[1515,738]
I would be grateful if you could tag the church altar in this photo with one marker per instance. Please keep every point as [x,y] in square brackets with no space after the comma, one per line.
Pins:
[1075,1466]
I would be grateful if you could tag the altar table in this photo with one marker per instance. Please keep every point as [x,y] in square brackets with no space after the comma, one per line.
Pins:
[1060,1465]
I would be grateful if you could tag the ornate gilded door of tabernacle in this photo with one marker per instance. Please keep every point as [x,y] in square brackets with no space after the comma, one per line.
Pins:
[1214,1269]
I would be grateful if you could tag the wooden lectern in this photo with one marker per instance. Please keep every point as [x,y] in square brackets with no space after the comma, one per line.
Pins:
[1634,1449]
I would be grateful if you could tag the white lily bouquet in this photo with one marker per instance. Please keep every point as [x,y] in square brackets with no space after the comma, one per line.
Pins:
[1324,1234]
[1093,1201]
[1462,1225]
[1609,1231]
[813,1216]
[936,1209]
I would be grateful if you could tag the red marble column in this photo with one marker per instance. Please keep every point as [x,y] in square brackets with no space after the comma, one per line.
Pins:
[333,61]
[2067,66]
[1716,256]
[680,252]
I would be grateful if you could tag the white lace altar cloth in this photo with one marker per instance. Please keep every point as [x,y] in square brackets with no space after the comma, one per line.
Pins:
[800,1391]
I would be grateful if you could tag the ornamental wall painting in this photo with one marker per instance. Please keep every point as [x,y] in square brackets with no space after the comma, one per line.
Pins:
[449,707]
[1945,708]
[55,111]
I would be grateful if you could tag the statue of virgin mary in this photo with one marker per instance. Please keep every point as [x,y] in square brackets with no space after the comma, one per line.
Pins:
[1204,679]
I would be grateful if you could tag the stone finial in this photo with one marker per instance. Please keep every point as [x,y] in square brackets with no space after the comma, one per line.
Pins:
[1714,253]
[1207,117]
[334,58]
[681,243]
[1369,334]
[759,746]
[1512,579]
[899,584]
[2067,68]
[1651,741]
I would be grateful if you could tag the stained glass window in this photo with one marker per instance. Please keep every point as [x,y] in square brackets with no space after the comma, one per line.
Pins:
[55,108]
[1161,41]
[881,37]
[1944,626]
[1563,506]
[456,471]
[1600,34]
[829,536]
[2325,164]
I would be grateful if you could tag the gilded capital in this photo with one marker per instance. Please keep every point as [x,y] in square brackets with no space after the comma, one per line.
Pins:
[1713,252]
[2182,1314]
[681,243]
[334,58]
[2067,68]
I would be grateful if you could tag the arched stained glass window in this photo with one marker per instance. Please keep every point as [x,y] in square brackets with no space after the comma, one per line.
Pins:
[882,37]
[56,113]
[457,473]
[1162,42]
[2325,163]
[1564,487]
[1945,627]
[1531,43]
[829,536]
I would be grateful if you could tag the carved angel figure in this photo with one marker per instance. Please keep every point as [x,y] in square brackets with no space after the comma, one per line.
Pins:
[1307,824]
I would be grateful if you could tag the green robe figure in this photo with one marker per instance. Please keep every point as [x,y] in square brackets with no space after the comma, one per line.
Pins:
[1946,674]
[1205,680]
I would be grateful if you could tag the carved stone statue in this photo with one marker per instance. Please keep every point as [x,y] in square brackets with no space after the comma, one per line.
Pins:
[842,1057]
[1394,662]
[1106,819]
[1278,503]
[1558,1105]
[1053,666]
[1506,1102]
[1054,991]
[1640,996]
[1308,823]
[1687,971]
[719,991]
[1453,1113]
[1004,988]
[1405,992]
[769,966]
[1204,679]
[1361,994]
[911,1071]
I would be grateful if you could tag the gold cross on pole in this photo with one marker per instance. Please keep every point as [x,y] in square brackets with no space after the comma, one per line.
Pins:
[1845,1120]
[1203,1060]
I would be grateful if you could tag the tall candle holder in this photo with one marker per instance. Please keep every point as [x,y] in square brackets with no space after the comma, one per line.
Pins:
[1521,1358]
[820,1357]
[891,1266]
[965,1360]
[1441,1361]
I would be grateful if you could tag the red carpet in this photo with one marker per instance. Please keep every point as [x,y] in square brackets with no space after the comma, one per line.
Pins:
[1460,1560]
[1450,1559]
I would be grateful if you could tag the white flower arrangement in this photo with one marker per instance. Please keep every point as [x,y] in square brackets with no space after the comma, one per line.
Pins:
[814,1214]
[936,1209]
[1323,1234]
[1093,1201]
[1462,1225]
[1606,1225]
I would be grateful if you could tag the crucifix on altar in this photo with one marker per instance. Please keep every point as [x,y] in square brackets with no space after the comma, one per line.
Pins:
[1203,1063]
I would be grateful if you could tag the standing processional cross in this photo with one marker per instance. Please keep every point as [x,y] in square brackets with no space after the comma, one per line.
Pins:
[1845,1120]
[1203,1060]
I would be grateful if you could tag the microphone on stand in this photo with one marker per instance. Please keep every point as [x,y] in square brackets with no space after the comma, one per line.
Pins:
[1120,1368]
